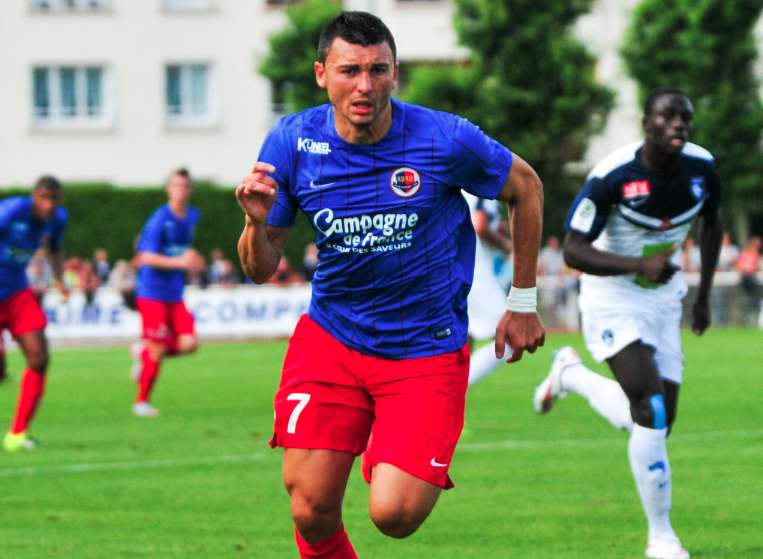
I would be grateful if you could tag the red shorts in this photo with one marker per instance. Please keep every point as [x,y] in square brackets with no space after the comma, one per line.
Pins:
[163,322]
[21,313]
[408,413]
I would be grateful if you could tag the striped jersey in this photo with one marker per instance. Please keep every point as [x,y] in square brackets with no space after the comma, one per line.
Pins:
[626,209]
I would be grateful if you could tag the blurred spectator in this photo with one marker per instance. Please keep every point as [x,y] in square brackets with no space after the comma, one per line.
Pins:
[122,279]
[216,267]
[285,274]
[551,260]
[748,266]
[729,254]
[310,261]
[71,273]
[691,259]
[229,275]
[88,281]
[101,265]
[39,273]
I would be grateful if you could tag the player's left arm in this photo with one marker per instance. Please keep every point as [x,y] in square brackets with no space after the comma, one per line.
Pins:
[54,252]
[710,235]
[521,328]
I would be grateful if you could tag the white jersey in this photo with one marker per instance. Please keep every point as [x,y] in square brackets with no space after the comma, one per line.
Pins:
[486,302]
[626,209]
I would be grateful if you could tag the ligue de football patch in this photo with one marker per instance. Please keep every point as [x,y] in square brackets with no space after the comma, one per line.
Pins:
[584,216]
[405,182]
[636,189]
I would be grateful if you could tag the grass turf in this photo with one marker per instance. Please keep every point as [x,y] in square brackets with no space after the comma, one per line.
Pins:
[200,481]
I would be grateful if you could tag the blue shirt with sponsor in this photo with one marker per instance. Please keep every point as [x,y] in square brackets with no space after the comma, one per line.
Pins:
[395,239]
[21,234]
[169,235]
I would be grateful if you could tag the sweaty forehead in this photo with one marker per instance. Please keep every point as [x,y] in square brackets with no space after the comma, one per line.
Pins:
[344,53]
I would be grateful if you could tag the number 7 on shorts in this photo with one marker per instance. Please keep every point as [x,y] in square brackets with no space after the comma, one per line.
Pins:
[303,399]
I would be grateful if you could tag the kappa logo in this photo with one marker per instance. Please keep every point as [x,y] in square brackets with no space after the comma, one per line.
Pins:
[636,189]
[405,182]
[311,146]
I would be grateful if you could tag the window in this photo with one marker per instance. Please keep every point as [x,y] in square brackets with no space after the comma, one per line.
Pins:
[189,5]
[69,5]
[69,95]
[188,94]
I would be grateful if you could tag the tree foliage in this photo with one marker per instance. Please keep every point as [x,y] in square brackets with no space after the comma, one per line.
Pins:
[529,84]
[289,64]
[707,48]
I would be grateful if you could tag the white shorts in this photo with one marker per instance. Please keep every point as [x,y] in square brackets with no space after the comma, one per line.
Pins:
[607,330]
[486,304]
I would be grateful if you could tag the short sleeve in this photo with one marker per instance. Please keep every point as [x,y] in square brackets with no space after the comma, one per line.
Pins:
[712,203]
[591,207]
[151,236]
[277,151]
[57,231]
[480,165]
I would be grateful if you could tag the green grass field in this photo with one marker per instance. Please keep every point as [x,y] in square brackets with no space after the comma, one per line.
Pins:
[200,481]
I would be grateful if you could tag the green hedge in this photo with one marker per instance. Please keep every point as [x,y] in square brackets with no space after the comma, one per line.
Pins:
[104,216]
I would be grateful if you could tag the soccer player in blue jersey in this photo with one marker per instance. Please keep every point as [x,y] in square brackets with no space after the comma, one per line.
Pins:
[26,224]
[164,255]
[379,364]
[623,229]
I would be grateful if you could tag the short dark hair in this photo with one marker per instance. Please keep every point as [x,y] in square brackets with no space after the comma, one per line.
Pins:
[656,93]
[183,172]
[49,182]
[358,28]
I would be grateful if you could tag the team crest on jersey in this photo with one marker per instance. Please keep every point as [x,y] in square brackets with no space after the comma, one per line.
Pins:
[698,187]
[636,189]
[608,337]
[405,182]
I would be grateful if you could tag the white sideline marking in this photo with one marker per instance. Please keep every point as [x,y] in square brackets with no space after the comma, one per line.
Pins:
[537,444]
[130,465]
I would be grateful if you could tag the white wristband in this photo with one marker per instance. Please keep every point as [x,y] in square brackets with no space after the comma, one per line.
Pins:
[524,300]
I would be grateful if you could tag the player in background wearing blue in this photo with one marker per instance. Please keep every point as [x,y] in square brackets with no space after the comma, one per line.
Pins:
[486,289]
[164,255]
[623,229]
[26,224]
[379,364]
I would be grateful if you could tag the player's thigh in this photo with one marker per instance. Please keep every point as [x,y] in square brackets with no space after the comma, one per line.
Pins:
[635,369]
[399,498]
[419,417]
[316,476]
[182,326]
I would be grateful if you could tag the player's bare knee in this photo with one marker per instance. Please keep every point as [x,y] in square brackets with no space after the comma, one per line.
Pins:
[188,345]
[316,521]
[38,360]
[650,411]
[396,520]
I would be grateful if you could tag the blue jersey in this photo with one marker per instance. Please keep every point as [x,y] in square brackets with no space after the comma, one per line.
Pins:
[395,239]
[169,235]
[21,234]
[626,209]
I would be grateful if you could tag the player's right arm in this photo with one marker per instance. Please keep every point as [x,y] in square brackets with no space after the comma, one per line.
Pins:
[260,246]
[586,220]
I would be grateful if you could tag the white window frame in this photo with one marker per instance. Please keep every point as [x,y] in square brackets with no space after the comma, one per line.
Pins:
[69,5]
[56,119]
[190,5]
[186,117]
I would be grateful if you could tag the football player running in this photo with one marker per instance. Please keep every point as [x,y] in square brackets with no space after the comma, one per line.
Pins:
[623,231]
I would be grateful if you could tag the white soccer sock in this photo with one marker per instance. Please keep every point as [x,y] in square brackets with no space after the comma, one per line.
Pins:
[604,395]
[483,362]
[648,457]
